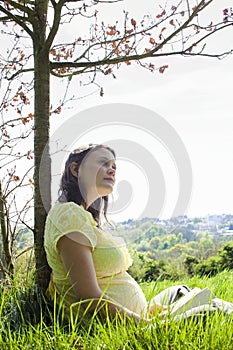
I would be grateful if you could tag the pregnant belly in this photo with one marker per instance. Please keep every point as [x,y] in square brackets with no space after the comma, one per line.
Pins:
[126,291]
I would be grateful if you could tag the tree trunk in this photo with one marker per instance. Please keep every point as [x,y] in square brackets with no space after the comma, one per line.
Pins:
[42,171]
[7,264]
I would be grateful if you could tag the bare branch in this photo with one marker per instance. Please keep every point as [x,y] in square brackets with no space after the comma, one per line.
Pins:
[21,71]
[4,270]
[18,214]
[21,7]
[205,37]
[126,36]
[4,19]
[24,251]
[56,22]
[8,122]
[87,69]
[220,56]
[19,20]
[110,60]
[20,184]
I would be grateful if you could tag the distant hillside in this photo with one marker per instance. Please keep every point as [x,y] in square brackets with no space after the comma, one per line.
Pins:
[165,246]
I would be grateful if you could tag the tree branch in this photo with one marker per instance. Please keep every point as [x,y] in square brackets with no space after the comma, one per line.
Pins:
[199,8]
[56,21]
[20,184]
[26,249]
[21,7]
[206,36]
[116,60]
[88,66]
[119,40]
[17,20]
[25,70]
[90,69]
[3,19]
[219,56]
[10,121]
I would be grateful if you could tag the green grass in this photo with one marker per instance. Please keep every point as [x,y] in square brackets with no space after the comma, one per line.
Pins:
[23,324]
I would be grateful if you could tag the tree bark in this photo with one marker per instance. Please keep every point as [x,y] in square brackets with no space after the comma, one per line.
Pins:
[7,264]
[42,171]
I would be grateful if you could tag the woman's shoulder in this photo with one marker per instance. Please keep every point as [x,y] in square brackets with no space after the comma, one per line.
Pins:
[69,210]
[61,207]
[66,218]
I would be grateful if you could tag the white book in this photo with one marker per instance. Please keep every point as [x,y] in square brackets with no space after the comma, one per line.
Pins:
[196,297]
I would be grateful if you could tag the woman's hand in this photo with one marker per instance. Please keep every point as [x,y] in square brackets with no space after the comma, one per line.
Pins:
[156,309]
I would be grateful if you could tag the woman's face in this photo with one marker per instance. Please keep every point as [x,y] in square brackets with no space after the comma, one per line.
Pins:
[97,173]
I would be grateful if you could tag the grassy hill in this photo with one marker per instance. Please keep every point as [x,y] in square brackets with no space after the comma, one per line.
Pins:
[18,331]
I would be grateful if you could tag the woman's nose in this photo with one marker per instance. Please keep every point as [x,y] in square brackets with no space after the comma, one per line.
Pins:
[111,171]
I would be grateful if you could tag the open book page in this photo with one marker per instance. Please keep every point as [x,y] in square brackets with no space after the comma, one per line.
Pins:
[196,297]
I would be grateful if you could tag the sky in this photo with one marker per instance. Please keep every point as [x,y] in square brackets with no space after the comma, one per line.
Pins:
[193,101]
[194,97]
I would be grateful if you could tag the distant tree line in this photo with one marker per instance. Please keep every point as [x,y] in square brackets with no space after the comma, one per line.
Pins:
[145,269]
[158,254]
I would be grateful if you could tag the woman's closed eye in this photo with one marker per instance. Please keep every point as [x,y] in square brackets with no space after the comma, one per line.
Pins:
[109,164]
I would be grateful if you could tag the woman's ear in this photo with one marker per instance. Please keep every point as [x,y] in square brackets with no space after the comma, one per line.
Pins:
[74,169]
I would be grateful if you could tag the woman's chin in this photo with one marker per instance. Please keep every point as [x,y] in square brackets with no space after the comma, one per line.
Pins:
[106,190]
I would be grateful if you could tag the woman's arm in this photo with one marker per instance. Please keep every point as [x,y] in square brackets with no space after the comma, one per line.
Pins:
[76,255]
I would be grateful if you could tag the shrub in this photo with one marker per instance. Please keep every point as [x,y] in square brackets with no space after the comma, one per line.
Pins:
[210,267]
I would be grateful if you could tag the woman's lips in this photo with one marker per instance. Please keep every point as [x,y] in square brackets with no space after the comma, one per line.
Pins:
[109,179]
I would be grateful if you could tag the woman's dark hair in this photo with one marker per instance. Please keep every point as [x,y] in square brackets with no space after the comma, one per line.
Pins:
[69,190]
